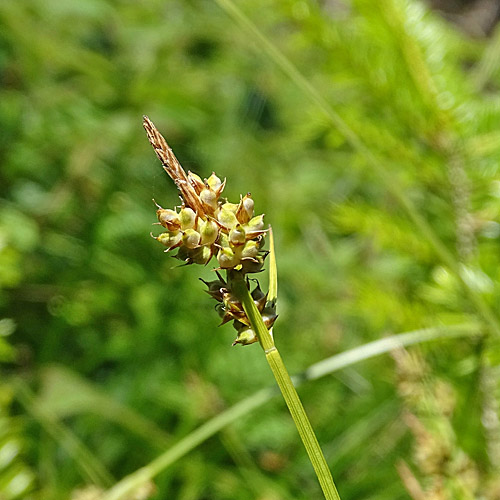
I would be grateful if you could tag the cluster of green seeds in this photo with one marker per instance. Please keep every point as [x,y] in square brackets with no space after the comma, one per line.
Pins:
[206,225]
[231,309]
[230,231]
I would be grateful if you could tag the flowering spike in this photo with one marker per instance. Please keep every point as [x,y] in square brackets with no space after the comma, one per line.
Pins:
[206,225]
[238,243]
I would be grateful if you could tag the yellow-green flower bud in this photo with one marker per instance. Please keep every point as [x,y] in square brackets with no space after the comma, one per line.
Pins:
[170,239]
[191,238]
[227,258]
[226,217]
[187,217]
[245,336]
[256,223]
[209,230]
[245,209]
[232,207]
[215,184]
[213,181]
[168,219]
[208,199]
[250,250]
[237,235]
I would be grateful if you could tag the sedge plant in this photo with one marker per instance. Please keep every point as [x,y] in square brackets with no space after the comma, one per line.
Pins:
[207,226]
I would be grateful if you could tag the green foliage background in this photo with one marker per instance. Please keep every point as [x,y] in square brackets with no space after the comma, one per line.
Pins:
[110,356]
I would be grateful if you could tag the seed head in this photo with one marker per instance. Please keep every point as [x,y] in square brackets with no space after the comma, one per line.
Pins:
[207,224]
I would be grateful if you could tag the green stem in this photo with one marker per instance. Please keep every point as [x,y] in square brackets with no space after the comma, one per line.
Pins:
[239,288]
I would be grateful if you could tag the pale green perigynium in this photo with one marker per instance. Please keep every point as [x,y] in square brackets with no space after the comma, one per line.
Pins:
[207,225]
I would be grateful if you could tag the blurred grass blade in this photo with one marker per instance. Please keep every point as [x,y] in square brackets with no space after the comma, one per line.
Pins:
[387,344]
[121,489]
[91,467]
[489,63]
[65,393]
[293,73]
[320,369]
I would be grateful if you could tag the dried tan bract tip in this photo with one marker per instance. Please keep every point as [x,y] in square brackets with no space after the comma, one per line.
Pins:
[172,166]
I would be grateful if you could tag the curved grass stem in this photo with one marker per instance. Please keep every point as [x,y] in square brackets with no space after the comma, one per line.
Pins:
[239,288]
[90,466]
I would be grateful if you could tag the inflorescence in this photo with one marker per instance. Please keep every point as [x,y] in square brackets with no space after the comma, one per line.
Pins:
[207,225]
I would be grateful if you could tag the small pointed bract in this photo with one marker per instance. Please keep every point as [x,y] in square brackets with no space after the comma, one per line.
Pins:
[172,166]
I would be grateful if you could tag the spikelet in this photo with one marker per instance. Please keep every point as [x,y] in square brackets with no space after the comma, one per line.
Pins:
[206,224]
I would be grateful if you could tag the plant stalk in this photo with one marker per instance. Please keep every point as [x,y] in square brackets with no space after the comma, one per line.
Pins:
[239,288]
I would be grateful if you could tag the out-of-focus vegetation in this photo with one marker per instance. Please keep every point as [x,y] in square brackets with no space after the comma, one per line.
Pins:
[109,356]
